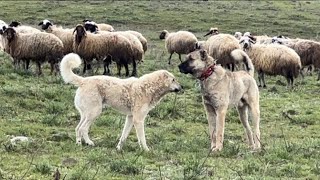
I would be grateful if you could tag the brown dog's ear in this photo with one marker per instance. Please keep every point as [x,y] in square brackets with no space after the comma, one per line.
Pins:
[203,54]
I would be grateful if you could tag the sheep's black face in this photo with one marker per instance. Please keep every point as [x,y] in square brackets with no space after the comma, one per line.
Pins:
[45,24]
[162,35]
[80,33]
[210,32]
[2,29]
[14,24]
[91,27]
[10,34]
[86,20]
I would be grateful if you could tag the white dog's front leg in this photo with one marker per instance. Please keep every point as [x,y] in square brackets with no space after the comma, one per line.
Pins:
[125,132]
[138,121]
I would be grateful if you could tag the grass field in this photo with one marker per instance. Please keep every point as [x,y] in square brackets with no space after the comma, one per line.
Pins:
[42,109]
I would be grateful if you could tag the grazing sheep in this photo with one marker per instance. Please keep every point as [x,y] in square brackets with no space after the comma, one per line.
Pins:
[272,59]
[22,28]
[39,47]
[100,26]
[65,35]
[137,48]
[309,52]
[3,26]
[181,42]
[220,47]
[212,31]
[91,46]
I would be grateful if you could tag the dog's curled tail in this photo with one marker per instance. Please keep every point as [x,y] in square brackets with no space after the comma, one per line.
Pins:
[240,56]
[69,62]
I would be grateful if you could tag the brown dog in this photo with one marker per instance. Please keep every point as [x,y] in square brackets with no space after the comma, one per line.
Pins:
[221,89]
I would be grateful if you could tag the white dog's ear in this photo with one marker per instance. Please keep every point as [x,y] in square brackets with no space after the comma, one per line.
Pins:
[203,54]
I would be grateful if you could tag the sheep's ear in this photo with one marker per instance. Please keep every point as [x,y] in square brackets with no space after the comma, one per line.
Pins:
[14,24]
[203,54]
[210,32]
[75,29]
[41,23]
[253,42]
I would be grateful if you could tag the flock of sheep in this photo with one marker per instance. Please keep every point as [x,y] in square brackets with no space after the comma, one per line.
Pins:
[270,55]
[89,39]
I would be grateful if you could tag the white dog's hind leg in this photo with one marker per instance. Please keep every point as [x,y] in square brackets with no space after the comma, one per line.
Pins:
[211,116]
[78,132]
[138,121]
[125,132]
[90,117]
[243,113]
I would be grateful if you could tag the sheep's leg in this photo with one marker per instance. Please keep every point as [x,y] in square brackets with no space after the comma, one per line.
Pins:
[134,68]
[119,69]
[127,68]
[27,63]
[318,75]
[232,67]
[262,77]
[106,64]
[180,57]
[39,68]
[259,78]
[170,58]
[84,67]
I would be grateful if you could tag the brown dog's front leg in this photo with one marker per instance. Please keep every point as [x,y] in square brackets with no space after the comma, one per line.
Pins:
[211,116]
[220,122]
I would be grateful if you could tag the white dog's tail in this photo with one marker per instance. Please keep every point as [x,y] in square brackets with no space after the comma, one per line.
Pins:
[240,56]
[69,62]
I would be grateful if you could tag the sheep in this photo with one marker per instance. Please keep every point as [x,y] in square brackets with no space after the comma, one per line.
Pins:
[309,52]
[201,45]
[142,39]
[136,46]
[212,31]
[100,26]
[220,47]
[181,42]
[3,26]
[65,35]
[39,47]
[22,28]
[272,59]
[91,46]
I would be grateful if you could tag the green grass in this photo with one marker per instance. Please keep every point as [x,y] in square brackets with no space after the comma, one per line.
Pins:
[42,107]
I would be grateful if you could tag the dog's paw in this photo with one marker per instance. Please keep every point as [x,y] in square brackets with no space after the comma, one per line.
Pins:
[216,149]
[90,143]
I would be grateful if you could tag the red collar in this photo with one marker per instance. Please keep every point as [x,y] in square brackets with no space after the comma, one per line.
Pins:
[207,73]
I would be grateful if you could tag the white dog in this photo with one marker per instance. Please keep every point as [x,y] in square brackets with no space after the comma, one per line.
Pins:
[134,97]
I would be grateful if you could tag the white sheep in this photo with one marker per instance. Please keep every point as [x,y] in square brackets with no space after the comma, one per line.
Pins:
[272,59]
[23,28]
[39,47]
[65,35]
[100,26]
[181,42]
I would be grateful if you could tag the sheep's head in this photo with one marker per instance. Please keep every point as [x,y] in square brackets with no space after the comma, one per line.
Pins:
[9,34]
[14,24]
[3,27]
[86,20]
[163,34]
[45,24]
[196,63]
[91,26]
[80,33]
[238,35]
[246,42]
[213,31]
